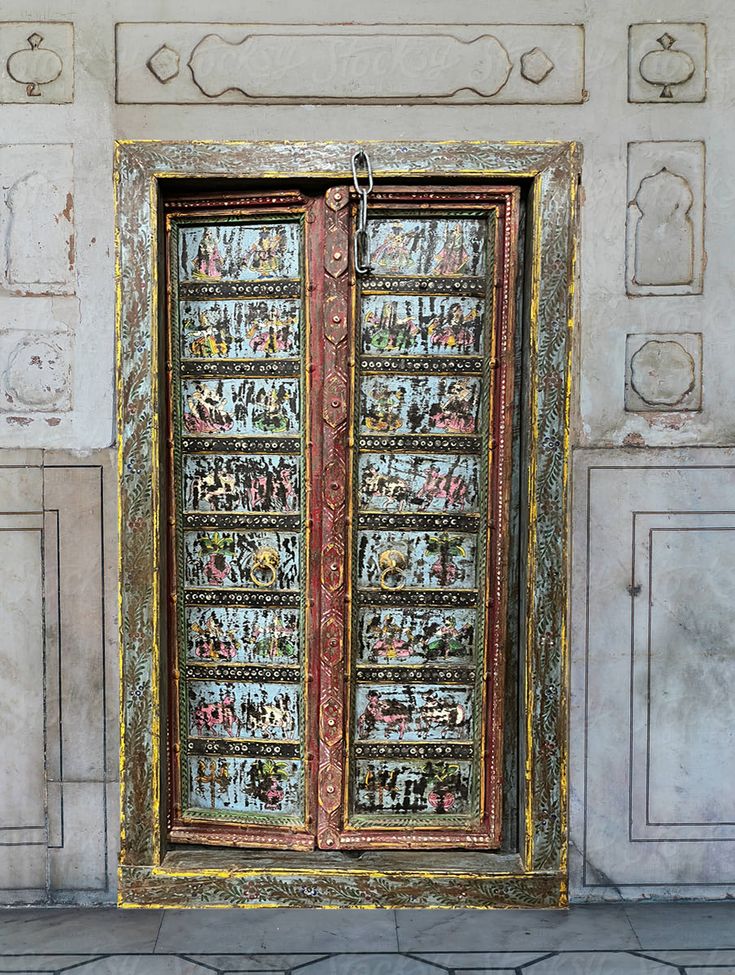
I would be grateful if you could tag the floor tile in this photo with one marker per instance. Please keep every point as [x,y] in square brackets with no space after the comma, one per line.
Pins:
[254,963]
[95,931]
[372,964]
[598,963]
[142,965]
[672,926]
[479,959]
[276,930]
[684,958]
[40,963]
[603,927]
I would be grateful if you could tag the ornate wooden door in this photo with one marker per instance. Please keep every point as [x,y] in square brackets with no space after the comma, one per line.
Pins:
[339,454]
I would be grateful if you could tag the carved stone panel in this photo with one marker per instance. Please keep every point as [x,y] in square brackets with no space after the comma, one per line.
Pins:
[667,63]
[37,249]
[36,62]
[37,337]
[236,63]
[665,226]
[663,372]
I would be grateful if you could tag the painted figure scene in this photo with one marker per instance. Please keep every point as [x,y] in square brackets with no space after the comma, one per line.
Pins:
[241,482]
[415,788]
[260,785]
[416,560]
[417,482]
[415,636]
[243,710]
[243,560]
[238,252]
[422,325]
[263,407]
[435,246]
[414,711]
[242,635]
[258,328]
[425,404]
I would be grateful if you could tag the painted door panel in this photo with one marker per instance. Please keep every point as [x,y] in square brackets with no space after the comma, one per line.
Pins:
[422,325]
[256,328]
[338,455]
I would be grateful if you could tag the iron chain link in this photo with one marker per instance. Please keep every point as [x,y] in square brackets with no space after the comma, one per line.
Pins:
[361,243]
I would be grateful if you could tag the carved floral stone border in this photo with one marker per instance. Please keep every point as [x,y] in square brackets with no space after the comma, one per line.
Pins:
[538,875]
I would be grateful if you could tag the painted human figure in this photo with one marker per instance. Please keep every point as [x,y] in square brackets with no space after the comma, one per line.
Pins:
[265,256]
[207,411]
[453,332]
[390,642]
[209,338]
[453,257]
[208,262]
[272,415]
[394,254]
[455,414]
[384,410]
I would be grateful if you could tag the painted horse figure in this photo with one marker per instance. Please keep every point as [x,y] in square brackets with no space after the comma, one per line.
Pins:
[389,712]
[438,712]
[209,716]
[452,489]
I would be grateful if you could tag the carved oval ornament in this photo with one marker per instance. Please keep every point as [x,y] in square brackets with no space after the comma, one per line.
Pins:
[34,67]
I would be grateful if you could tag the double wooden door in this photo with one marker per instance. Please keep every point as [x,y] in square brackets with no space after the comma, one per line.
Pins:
[339,452]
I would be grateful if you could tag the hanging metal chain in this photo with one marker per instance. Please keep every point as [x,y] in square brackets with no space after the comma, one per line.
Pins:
[361,243]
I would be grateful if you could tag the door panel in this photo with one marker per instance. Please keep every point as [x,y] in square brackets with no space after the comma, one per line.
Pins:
[339,450]
[238,427]
[432,398]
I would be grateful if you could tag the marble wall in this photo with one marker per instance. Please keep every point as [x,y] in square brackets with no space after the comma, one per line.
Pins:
[646,88]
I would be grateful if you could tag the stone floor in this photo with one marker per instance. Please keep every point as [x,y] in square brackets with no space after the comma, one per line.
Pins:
[594,940]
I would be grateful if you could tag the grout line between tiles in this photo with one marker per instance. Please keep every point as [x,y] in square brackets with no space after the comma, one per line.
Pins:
[158,933]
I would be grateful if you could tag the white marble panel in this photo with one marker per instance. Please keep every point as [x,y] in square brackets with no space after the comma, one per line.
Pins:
[647,711]
[667,63]
[408,63]
[78,860]
[36,62]
[59,683]
[37,219]
[73,495]
[665,227]
[22,775]
[663,372]
[683,676]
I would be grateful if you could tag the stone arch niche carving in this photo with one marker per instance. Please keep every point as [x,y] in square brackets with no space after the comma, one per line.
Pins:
[532,870]
[664,236]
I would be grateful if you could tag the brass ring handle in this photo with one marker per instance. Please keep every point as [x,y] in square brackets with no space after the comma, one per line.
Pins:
[265,560]
[392,564]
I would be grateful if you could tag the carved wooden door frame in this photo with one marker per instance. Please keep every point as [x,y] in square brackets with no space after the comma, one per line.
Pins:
[534,872]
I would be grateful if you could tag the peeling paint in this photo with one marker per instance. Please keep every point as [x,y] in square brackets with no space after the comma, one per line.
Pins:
[68,209]
[634,440]
[19,421]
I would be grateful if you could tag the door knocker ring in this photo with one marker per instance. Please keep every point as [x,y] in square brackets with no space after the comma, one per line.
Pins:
[392,564]
[265,561]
